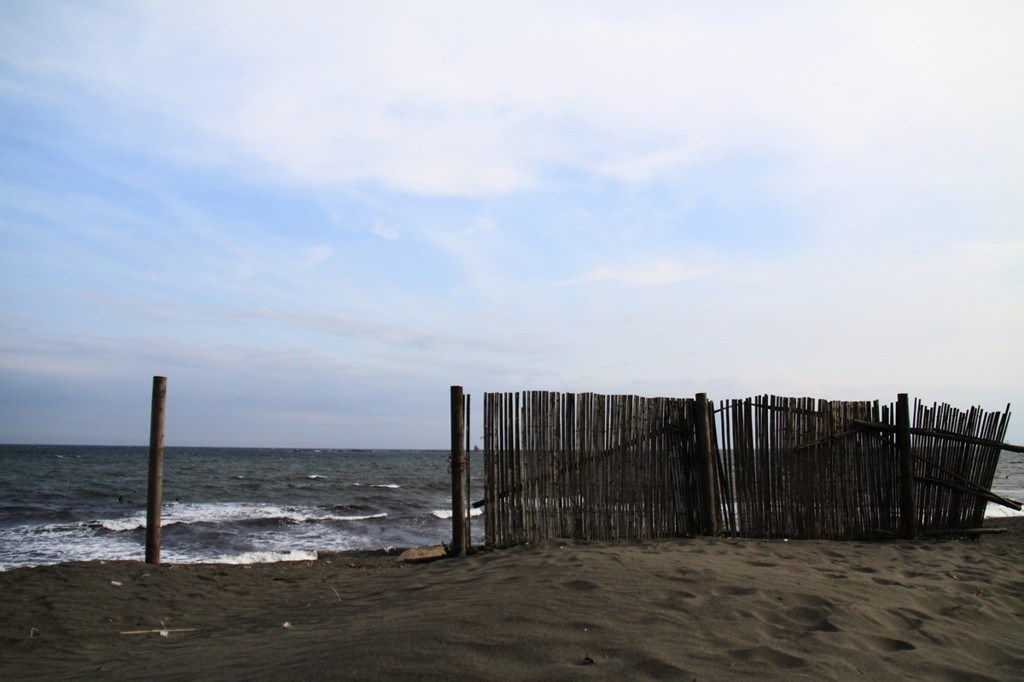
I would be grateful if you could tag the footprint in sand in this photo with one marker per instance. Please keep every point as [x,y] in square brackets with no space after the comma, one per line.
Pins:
[582,586]
[733,591]
[766,655]
[885,644]
[886,581]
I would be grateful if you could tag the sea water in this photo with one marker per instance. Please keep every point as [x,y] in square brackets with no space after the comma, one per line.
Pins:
[1009,483]
[226,505]
[243,505]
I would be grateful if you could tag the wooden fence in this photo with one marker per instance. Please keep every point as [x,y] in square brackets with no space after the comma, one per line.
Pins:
[794,467]
[619,466]
[590,466]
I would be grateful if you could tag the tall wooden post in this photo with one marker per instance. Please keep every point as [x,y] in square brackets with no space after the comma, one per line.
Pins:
[154,497]
[908,505]
[706,456]
[467,475]
[458,472]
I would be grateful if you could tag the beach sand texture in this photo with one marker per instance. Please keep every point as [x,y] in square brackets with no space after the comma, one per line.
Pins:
[703,609]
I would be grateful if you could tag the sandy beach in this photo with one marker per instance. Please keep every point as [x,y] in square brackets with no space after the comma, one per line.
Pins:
[686,609]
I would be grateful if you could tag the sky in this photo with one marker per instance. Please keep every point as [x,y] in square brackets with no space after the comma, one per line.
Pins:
[316,217]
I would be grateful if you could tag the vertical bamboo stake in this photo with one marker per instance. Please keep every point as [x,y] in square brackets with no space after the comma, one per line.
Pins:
[908,508]
[488,471]
[705,455]
[458,467]
[154,496]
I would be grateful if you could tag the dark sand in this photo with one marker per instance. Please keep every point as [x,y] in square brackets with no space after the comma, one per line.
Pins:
[706,609]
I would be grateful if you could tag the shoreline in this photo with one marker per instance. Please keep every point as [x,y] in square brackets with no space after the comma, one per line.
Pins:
[702,608]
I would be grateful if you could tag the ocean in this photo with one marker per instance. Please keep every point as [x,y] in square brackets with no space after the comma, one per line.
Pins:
[224,505]
[245,505]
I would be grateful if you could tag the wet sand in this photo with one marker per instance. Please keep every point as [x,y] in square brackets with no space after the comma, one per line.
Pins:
[703,609]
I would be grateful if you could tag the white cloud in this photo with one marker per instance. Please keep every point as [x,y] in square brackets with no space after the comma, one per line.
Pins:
[315,255]
[482,223]
[999,253]
[381,229]
[452,99]
[653,274]
[821,178]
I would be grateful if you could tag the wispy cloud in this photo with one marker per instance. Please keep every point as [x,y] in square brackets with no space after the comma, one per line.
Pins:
[659,273]
[315,255]
[384,231]
[509,194]
[639,95]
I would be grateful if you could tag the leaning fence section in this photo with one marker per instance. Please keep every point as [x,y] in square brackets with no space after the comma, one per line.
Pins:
[596,466]
[955,457]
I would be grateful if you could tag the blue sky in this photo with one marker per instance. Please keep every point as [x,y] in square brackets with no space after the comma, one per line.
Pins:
[315,217]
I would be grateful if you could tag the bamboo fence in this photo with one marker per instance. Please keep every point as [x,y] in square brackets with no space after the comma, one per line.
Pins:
[594,466]
[953,474]
[588,466]
[793,468]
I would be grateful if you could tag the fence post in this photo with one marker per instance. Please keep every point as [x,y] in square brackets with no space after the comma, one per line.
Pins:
[467,477]
[458,461]
[908,505]
[154,496]
[706,457]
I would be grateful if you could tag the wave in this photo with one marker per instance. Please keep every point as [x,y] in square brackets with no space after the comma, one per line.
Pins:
[215,513]
[266,557]
[447,513]
[122,525]
[364,517]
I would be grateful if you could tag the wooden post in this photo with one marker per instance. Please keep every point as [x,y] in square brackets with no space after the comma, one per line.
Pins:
[908,505]
[706,455]
[467,476]
[156,470]
[458,468]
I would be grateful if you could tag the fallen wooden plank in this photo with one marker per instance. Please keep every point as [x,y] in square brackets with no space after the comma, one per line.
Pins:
[936,433]
[963,531]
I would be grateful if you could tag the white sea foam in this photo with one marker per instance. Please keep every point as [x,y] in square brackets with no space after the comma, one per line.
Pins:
[447,513]
[214,512]
[183,513]
[994,511]
[392,486]
[364,517]
[266,557]
[125,524]
[998,511]
[52,543]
